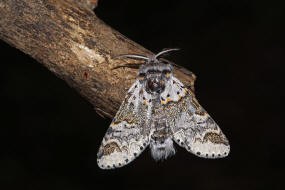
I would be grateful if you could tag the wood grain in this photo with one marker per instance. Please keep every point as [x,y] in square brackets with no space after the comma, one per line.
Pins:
[68,39]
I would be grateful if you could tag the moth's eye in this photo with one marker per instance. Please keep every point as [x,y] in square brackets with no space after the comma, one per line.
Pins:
[142,75]
[165,72]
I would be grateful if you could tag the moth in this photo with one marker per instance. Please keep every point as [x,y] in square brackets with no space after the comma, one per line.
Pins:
[157,110]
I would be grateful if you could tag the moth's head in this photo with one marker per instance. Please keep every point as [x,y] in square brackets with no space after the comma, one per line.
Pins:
[154,76]
[154,73]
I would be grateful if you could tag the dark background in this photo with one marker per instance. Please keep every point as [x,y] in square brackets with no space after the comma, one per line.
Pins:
[50,135]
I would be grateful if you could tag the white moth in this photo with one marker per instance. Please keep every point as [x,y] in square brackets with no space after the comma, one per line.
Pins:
[158,109]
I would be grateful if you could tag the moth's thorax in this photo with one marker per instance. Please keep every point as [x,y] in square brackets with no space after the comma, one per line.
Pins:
[154,76]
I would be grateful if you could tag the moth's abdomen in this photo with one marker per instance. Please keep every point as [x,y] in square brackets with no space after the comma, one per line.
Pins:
[161,143]
[161,150]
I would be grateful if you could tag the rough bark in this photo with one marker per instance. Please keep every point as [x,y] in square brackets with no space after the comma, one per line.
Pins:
[67,38]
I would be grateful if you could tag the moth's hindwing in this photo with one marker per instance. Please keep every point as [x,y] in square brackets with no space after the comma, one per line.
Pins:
[191,125]
[127,135]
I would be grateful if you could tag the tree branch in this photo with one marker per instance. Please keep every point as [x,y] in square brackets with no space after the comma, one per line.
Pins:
[67,38]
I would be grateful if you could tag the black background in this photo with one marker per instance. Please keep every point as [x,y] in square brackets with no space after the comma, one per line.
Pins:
[50,134]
